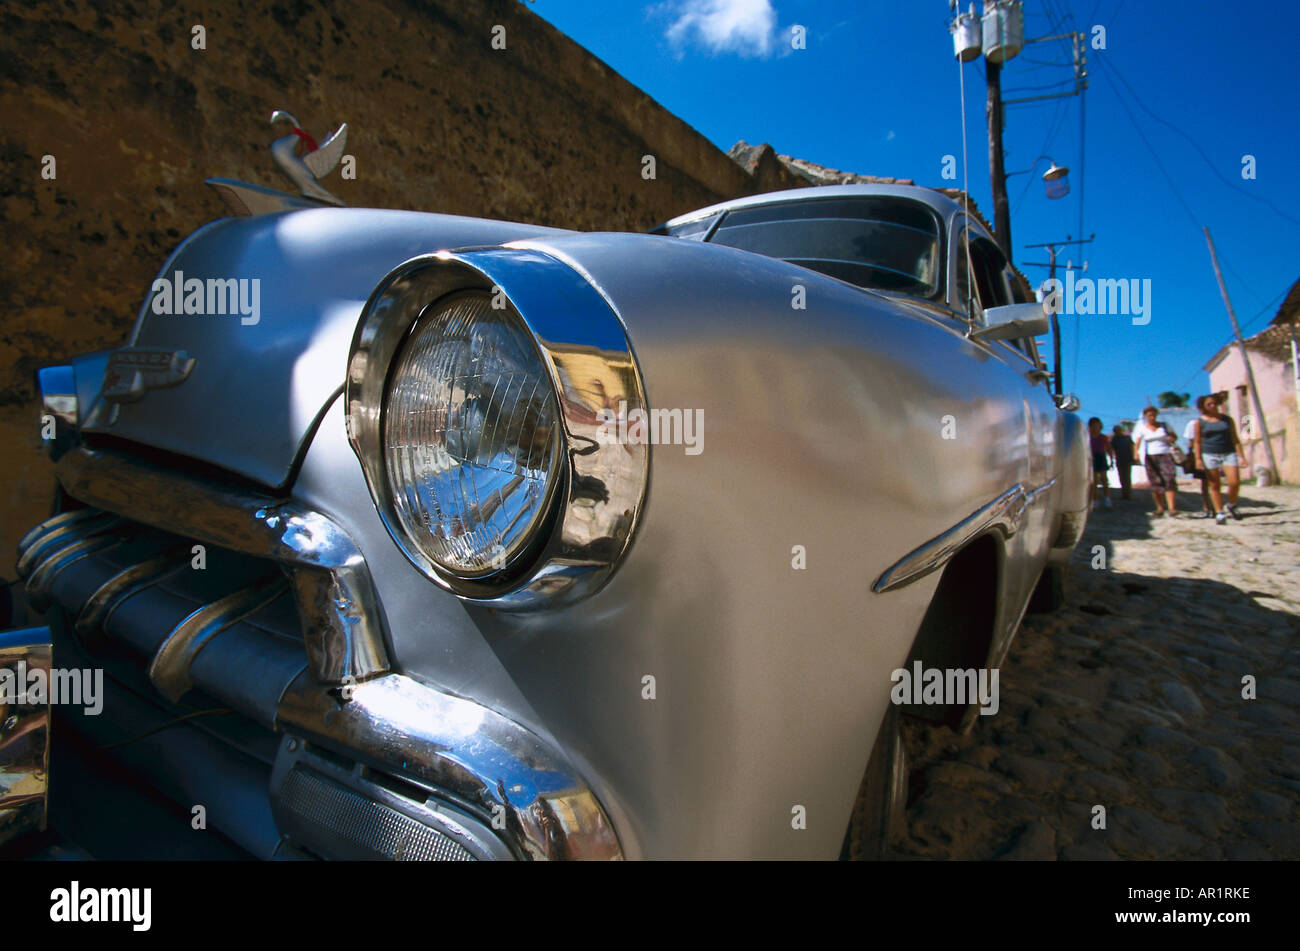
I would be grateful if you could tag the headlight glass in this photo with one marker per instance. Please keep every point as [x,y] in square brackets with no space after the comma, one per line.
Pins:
[471,436]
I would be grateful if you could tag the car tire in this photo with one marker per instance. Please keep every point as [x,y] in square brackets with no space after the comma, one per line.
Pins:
[1049,594]
[882,797]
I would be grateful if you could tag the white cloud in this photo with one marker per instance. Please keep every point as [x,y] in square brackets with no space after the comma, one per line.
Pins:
[747,27]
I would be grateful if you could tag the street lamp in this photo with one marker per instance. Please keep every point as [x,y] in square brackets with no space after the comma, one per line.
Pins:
[1056,178]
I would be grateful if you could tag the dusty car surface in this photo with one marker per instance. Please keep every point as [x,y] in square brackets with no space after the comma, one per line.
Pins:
[406,535]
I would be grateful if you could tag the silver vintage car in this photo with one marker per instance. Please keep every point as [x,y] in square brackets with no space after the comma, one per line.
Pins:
[411,536]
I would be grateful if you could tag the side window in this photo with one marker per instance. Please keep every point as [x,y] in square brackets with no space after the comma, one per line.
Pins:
[963,274]
[695,230]
[992,282]
[988,262]
[983,260]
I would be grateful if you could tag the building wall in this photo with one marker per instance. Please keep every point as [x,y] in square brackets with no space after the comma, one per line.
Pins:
[1278,399]
[135,118]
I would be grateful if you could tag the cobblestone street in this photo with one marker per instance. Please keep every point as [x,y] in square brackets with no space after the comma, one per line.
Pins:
[1130,697]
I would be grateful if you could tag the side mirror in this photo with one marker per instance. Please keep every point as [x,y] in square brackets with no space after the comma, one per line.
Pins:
[1067,403]
[1013,322]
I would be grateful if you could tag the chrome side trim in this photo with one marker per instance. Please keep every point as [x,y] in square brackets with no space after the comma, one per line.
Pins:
[596,382]
[342,623]
[127,582]
[488,764]
[170,668]
[57,536]
[42,577]
[1004,513]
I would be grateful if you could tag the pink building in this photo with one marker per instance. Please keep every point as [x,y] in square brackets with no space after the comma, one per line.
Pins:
[1273,358]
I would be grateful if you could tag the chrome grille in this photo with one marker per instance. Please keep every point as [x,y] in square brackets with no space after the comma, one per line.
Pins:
[322,810]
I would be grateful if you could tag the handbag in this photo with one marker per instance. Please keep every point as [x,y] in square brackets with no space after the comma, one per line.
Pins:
[1180,457]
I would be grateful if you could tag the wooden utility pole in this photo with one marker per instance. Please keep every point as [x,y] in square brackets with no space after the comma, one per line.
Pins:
[997,171]
[1245,358]
[1053,248]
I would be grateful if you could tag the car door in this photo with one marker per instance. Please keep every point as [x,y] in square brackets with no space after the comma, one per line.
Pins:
[983,275]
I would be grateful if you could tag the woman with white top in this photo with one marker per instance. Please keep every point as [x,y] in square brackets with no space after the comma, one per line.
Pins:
[1162,473]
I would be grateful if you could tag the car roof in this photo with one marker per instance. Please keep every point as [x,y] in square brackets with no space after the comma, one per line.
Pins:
[941,203]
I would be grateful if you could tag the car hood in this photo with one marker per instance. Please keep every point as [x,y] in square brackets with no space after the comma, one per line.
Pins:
[270,349]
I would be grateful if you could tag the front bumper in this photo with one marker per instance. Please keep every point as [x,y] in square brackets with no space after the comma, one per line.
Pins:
[361,761]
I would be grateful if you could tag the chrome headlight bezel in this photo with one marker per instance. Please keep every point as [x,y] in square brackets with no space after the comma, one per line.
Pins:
[597,492]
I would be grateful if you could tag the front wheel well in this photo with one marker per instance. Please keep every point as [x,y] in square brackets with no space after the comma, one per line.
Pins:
[957,630]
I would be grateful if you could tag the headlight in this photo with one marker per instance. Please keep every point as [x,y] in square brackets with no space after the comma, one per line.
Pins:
[471,436]
[479,384]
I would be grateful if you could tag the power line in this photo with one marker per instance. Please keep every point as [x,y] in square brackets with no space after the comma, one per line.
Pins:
[1053,128]
[1040,86]
[1262,312]
[1244,283]
[1150,148]
[1201,152]
[1164,171]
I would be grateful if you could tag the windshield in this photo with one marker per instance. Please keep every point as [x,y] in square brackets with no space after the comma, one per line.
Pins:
[880,242]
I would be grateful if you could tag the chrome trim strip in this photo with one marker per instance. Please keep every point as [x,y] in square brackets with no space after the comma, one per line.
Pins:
[342,623]
[603,483]
[170,668]
[498,770]
[53,522]
[1005,513]
[58,536]
[42,578]
[127,582]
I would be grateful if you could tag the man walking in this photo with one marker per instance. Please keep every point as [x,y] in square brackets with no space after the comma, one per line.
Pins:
[1122,443]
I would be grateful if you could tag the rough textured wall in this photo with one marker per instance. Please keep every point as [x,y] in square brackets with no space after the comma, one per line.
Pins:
[136,118]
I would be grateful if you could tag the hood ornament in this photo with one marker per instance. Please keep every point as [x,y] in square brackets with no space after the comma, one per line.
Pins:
[317,162]
[303,170]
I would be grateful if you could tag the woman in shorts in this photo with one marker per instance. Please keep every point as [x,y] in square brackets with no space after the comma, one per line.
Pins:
[1162,473]
[1192,465]
[1218,447]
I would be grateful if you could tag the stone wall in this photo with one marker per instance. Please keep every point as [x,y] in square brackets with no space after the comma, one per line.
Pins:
[136,118]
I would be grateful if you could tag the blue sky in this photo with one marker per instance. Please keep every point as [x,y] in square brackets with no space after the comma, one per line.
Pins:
[876,91]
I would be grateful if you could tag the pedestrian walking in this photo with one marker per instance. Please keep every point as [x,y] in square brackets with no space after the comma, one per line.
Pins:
[1162,473]
[1218,447]
[1102,454]
[1122,445]
[1193,467]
